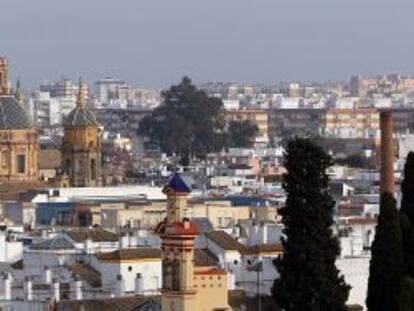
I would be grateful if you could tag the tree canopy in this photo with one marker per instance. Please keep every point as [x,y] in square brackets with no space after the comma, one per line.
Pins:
[189,123]
[309,279]
[242,133]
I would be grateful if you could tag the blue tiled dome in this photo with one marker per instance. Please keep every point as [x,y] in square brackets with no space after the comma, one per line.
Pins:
[13,115]
[81,116]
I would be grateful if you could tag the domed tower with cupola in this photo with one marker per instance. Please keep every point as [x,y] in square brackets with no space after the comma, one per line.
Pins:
[177,233]
[188,283]
[18,137]
[81,146]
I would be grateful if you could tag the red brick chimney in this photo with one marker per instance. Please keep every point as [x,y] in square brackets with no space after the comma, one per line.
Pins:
[387,153]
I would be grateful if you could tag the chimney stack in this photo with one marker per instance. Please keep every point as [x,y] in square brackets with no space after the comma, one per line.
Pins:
[120,286]
[124,241]
[7,287]
[139,284]
[76,288]
[28,289]
[56,289]
[48,275]
[387,153]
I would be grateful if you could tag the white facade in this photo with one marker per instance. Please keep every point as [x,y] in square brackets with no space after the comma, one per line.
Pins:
[150,270]
[101,193]
[265,233]
[10,250]
[231,104]
[49,110]
[356,273]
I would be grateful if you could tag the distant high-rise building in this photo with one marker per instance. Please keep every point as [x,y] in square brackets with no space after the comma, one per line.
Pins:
[354,86]
[54,101]
[108,88]
[62,88]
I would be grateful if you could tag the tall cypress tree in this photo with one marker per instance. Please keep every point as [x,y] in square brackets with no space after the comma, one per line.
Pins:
[407,187]
[309,279]
[387,271]
[407,215]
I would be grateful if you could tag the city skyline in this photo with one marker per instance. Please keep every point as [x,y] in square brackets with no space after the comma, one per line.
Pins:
[152,44]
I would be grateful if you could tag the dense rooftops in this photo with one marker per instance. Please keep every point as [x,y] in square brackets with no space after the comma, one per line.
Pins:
[96,235]
[225,241]
[130,254]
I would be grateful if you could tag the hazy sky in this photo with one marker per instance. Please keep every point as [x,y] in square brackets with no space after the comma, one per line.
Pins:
[156,42]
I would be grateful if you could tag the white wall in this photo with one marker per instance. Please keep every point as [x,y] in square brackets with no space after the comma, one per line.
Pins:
[356,272]
[151,272]
[10,251]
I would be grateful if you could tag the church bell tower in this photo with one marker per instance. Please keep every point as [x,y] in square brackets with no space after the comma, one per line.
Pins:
[4,79]
[177,233]
[81,148]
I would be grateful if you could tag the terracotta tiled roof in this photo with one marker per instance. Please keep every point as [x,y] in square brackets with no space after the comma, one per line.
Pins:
[361,221]
[178,228]
[263,248]
[129,303]
[225,241]
[86,273]
[204,258]
[130,254]
[210,271]
[16,190]
[80,235]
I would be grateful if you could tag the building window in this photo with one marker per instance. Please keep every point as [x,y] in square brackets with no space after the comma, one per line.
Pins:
[21,163]
[93,169]
[68,166]
[4,159]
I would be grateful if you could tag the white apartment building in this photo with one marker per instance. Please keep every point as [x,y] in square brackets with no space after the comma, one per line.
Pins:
[49,110]
[53,101]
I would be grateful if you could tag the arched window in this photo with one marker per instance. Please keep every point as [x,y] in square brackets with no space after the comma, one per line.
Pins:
[68,166]
[21,163]
[93,169]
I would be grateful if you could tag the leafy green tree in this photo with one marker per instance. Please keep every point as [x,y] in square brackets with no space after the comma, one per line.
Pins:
[387,271]
[188,123]
[241,134]
[309,279]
